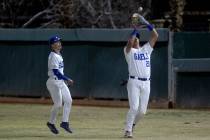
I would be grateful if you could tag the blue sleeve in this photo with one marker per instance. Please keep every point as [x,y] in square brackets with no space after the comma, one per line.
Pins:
[134,32]
[150,27]
[59,75]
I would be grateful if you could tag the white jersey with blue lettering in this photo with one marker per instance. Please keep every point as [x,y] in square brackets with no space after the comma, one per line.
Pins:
[59,91]
[138,61]
[55,61]
[138,90]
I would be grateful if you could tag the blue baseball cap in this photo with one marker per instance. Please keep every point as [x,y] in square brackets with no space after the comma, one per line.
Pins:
[54,39]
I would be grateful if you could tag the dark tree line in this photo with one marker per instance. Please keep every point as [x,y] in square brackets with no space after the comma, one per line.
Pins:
[77,13]
[69,13]
[177,11]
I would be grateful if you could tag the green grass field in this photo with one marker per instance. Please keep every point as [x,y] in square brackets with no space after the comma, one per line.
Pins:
[27,122]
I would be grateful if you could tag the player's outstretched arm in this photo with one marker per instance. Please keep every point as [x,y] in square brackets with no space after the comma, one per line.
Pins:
[154,34]
[153,38]
[131,40]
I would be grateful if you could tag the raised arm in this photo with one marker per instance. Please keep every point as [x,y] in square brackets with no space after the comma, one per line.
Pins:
[154,34]
[131,40]
[153,38]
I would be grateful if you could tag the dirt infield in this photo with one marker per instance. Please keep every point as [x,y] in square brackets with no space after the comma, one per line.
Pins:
[80,102]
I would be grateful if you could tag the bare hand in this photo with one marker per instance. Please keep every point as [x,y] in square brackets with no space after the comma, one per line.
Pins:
[70,82]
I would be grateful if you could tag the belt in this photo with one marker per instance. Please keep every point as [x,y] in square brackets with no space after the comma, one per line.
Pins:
[141,79]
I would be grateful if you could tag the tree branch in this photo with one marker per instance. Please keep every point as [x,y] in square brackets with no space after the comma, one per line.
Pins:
[35,17]
[88,6]
[47,24]
[110,15]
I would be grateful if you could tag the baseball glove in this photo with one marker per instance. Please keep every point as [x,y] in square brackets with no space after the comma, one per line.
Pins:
[123,82]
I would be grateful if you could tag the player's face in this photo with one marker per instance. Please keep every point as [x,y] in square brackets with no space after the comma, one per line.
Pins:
[57,46]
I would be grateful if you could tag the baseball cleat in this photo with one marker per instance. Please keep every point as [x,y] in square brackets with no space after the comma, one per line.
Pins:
[52,128]
[65,125]
[128,134]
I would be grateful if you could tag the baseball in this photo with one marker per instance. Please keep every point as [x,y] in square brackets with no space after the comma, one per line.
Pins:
[140,9]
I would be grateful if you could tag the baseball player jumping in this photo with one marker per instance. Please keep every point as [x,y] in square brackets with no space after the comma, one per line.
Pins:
[57,87]
[138,60]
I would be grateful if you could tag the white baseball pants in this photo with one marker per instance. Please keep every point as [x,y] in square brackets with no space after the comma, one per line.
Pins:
[138,97]
[59,92]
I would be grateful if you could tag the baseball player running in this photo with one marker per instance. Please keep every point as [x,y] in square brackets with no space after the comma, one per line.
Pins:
[138,86]
[57,87]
